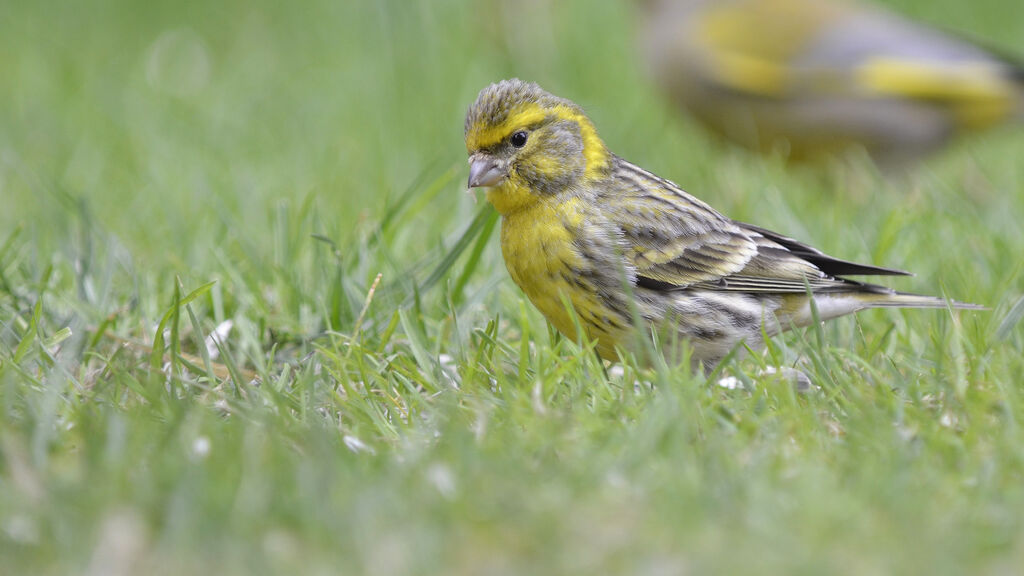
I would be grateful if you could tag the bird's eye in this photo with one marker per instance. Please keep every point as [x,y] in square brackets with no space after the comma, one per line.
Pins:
[518,139]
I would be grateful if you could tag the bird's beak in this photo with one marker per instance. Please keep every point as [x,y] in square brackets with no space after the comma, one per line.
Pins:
[484,171]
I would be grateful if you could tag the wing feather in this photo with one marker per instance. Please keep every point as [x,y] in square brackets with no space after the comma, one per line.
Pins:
[676,241]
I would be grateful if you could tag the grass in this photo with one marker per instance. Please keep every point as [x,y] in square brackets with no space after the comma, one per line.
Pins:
[292,177]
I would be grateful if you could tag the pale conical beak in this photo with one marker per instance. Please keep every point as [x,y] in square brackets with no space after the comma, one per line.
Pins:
[484,171]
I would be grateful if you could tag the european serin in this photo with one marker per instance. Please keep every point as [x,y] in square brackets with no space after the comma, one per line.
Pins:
[813,76]
[587,234]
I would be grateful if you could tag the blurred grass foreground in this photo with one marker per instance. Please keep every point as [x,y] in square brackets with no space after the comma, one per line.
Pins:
[250,321]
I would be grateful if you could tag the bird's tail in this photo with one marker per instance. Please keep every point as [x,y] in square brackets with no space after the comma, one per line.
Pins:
[909,300]
[797,311]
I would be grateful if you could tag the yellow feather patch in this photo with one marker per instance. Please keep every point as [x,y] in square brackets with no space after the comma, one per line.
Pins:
[484,136]
[750,45]
[977,93]
[510,197]
[593,148]
[749,74]
[537,243]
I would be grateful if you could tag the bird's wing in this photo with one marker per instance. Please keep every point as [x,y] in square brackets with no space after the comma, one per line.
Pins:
[675,241]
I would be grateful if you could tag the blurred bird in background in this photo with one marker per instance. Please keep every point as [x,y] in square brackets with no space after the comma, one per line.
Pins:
[813,77]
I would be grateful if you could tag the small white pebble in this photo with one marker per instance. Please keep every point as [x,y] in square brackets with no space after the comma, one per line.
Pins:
[441,477]
[948,420]
[201,447]
[730,383]
[356,445]
[218,336]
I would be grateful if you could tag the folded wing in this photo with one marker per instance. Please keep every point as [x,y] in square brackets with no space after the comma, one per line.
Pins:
[677,242]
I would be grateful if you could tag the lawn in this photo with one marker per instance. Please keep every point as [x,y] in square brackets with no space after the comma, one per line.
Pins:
[252,323]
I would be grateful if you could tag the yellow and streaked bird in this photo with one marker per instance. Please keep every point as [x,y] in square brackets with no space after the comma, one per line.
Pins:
[815,76]
[597,242]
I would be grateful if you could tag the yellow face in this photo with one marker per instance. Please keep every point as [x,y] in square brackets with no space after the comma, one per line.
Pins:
[525,144]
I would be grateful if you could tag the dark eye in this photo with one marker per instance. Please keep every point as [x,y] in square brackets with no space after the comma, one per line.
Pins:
[518,139]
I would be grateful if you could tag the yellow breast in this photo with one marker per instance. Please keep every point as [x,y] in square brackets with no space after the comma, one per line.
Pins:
[537,243]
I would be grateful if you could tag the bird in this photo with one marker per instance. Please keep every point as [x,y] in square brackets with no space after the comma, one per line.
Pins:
[812,78]
[606,250]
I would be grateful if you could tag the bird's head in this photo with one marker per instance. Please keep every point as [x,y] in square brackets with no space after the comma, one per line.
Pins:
[525,144]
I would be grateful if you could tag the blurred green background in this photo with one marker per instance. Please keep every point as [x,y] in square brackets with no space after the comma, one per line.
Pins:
[147,144]
[194,116]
